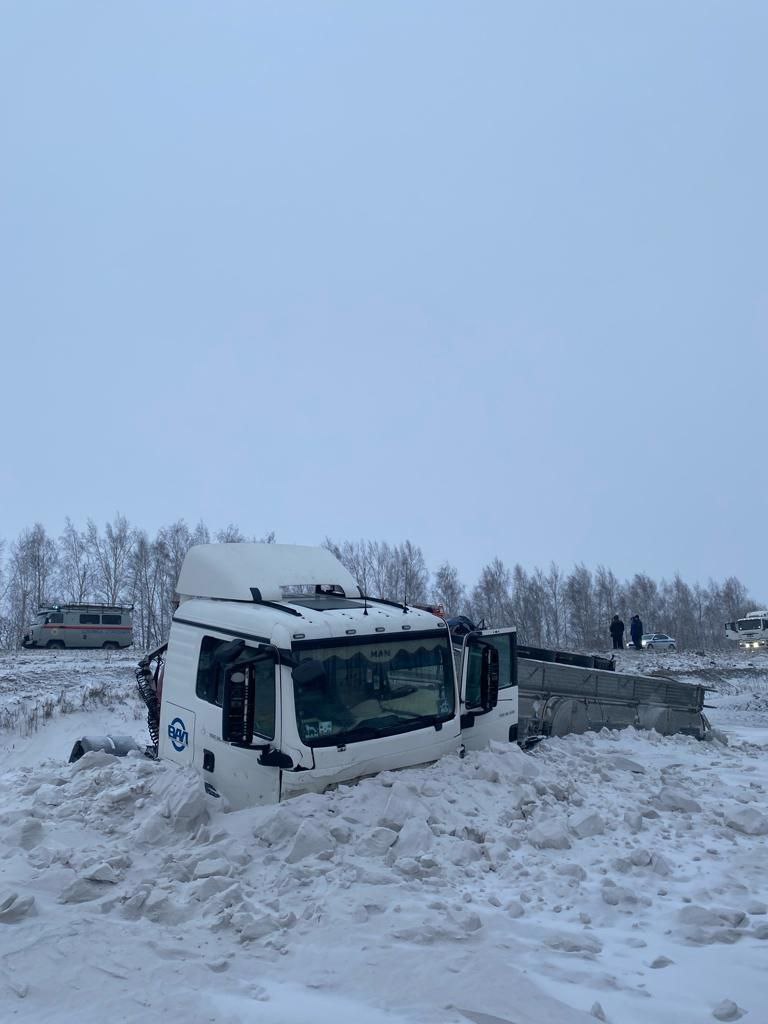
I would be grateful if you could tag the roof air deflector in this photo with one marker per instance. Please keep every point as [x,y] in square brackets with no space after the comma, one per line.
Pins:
[240,572]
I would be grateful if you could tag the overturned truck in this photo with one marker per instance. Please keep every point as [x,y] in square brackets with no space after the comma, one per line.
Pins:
[561,692]
[281,676]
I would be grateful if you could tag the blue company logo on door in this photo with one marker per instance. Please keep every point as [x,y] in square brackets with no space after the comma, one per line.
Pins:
[178,735]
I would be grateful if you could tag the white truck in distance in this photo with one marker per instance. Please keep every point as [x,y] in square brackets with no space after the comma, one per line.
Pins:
[749,632]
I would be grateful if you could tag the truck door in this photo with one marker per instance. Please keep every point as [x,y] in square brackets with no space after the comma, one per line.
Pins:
[238,725]
[489,687]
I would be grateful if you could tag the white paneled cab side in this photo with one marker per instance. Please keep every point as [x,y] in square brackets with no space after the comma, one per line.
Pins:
[191,713]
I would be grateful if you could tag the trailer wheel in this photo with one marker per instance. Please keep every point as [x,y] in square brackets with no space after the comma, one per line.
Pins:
[55,645]
[110,645]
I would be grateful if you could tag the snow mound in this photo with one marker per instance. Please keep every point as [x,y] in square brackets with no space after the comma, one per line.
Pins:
[617,876]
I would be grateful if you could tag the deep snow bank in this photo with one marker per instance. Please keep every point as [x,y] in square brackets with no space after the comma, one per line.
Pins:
[624,869]
[620,872]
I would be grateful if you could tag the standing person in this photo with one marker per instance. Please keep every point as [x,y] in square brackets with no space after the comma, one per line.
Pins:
[636,631]
[616,630]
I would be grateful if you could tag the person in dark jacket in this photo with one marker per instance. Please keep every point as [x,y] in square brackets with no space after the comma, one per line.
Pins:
[617,633]
[636,631]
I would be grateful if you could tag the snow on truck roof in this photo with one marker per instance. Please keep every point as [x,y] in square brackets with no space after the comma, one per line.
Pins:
[260,572]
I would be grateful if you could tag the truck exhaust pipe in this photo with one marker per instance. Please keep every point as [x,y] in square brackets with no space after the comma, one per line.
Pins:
[118,746]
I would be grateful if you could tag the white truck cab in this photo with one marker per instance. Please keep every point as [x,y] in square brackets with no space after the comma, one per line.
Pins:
[281,677]
[749,632]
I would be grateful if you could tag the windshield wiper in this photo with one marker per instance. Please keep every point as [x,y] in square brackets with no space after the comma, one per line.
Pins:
[395,723]
[362,732]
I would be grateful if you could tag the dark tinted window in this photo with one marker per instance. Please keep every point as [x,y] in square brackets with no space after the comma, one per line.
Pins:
[749,624]
[55,618]
[89,620]
[111,620]
[210,683]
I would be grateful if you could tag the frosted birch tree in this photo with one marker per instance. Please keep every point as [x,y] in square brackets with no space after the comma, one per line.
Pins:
[110,555]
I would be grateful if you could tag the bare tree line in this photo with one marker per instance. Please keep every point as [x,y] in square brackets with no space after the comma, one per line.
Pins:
[119,564]
[551,608]
[122,564]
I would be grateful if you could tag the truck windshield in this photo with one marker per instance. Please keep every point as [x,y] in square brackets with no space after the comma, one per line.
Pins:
[363,688]
[750,624]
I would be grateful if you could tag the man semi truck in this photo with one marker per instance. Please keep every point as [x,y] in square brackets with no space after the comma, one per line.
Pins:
[281,677]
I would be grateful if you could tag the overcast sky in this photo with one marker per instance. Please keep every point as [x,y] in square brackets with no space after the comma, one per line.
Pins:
[488,276]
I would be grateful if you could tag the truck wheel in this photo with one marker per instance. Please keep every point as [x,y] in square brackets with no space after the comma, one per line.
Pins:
[110,645]
[55,645]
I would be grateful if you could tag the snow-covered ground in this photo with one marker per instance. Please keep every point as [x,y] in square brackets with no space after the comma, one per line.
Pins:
[618,876]
[682,663]
[36,686]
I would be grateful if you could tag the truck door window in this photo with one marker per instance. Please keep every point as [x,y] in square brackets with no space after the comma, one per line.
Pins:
[54,619]
[210,682]
[503,644]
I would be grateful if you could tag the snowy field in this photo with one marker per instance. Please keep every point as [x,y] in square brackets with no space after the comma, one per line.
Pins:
[619,876]
[38,686]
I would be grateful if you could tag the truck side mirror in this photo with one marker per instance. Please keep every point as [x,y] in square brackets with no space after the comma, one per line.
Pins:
[489,678]
[237,705]
[228,652]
